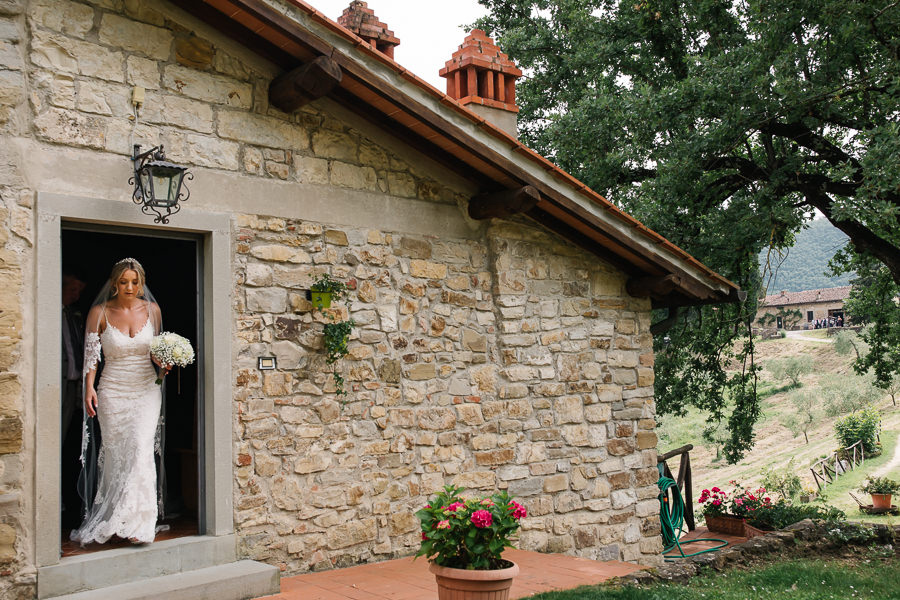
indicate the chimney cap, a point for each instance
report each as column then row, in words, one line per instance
column 480, row 74
column 361, row 20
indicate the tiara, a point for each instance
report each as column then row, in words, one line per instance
column 130, row 261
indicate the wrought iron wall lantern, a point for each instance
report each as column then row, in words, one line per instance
column 158, row 184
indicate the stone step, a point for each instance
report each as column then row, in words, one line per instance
column 240, row 580
column 120, row 565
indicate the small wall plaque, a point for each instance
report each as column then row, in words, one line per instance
column 266, row 363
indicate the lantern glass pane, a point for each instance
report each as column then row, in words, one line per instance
column 146, row 189
column 161, row 183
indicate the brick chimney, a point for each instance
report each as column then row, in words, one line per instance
column 361, row 20
column 483, row 78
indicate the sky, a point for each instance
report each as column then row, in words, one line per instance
column 430, row 31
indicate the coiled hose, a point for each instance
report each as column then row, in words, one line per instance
column 671, row 518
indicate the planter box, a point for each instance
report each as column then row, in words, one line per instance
column 751, row 532
column 725, row 524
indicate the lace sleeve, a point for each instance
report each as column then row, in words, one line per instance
column 91, row 351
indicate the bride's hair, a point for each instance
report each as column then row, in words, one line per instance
column 127, row 264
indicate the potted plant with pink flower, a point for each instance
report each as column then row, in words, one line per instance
column 464, row 538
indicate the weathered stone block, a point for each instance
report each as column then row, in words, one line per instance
column 646, row 439
column 495, row 457
column 422, row 371
column 556, row 483
column 427, row 269
column 620, row 446
column 267, row 300
column 261, row 130
column 149, row 40
column 331, row 144
column 351, row 534
column 64, row 17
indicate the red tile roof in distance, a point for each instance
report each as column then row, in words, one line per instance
column 783, row 298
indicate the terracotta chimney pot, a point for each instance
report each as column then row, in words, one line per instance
column 483, row 78
column 361, row 20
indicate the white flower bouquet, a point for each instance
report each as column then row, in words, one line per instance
column 171, row 349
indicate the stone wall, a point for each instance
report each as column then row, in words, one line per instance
column 16, row 239
column 505, row 359
column 516, row 362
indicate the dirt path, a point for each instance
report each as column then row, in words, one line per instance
column 891, row 468
column 798, row 335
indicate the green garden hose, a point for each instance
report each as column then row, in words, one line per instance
column 671, row 518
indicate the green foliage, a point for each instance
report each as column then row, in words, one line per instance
column 789, row 318
column 336, row 336
column 881, row 485
column 862, row 425
column 468, row 533
column 848, row 341
column 858, row 534
column 873, row 302
column 791, row 368
column 806, row 579
column 807, row 412
column 324, row 283
column 843, row 394
column 804, row 266
column 784, row 480
column 782, row 514
column 723, row 126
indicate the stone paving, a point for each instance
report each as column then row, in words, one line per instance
column 406, row 579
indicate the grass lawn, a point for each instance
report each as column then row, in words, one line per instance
column 837, row 493
column 812, row 579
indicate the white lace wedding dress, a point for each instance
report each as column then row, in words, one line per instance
column 128, row 407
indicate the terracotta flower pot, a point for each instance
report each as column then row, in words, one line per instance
column 881, row 500
column 464, row 584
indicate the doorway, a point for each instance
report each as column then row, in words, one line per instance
column 172, row 263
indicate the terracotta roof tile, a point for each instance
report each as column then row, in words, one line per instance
column 807, row 296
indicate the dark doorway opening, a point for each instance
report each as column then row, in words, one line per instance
column 173, row 274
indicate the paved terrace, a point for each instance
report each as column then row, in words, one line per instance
column 405, row 579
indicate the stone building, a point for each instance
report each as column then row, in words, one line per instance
column 502, row 308
column 799, row 310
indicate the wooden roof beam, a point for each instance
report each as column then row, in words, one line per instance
column 503, row 204
column 308, row 82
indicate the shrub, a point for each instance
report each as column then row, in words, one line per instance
column 847, row 393
column 782, row 514
column 862, row 425
column 784, row 480
column 792, row 367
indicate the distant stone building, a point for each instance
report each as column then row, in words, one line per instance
column 502, row 308
column 798, row 310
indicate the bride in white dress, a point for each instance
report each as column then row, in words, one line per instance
column 127, row 404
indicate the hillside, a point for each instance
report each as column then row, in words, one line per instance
column 807, row 261
column 775, row 444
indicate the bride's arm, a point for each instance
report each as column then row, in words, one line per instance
column 91, row 358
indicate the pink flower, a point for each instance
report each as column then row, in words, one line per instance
column 443, row 525
column 424, row 537
column 519, row 511
column 717, row 502
column 715, row 489
column 456, row 506
column 487, row 502
column 481, row 519
column 739, row 502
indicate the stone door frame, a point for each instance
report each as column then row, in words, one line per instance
column 215, row 231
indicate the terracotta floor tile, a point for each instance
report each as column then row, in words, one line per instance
column 405, row 579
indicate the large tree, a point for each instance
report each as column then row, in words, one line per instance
column 723, row 125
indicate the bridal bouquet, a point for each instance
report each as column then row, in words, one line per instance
column 171, row 349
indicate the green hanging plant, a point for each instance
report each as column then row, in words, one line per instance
column 336, row 337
